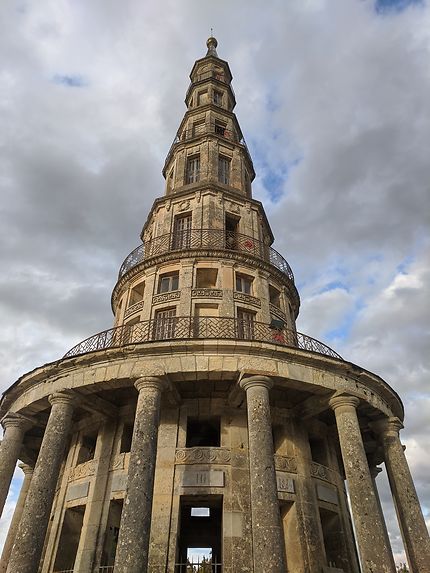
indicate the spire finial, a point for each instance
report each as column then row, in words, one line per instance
column 212, row 44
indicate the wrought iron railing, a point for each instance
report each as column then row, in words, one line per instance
column 205, row 239
column 198, row 567
column 207, row 327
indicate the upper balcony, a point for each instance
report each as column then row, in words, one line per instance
column 217, row 239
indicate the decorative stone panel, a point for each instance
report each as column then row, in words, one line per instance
column 276, row 311
column 321, row 472
column 203, row 456
column 284, row 483
column 326, row 493
column 285, row 463
column 206, row 293
column 118, row 463
column 203, row 478
column 166, row 297
column 133, row 308
column 82, row 470
column 77, row 491
column 247, row 299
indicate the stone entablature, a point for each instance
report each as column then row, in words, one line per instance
column 206, row 293
column 166, row 297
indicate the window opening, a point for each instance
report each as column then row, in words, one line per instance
column 126, row 438
column 164, row 324
column 318, row 451
column 333, row 538
column 202, row 97
column 203, row 431
column 198, row 128
column 182, row 232
column 231, row 228
column 206, row 278
column 193, row 169
column 200, row 536
column 168, row 282
column 87, row 447
column 224, row 170
column 220, row 128
column 244, row 283
column 111, row 533
column 217, row 97
column 245, row 324
column 69, row 538
column 274, row 296
column 136, row 294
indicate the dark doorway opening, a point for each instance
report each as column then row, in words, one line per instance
column 111, row 534
column 204, row 431
column 200, row 535
column 69, row 538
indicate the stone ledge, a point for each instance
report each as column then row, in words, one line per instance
column 204, row 455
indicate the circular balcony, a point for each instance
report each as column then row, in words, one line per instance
column 217, row 239
column 183, row 328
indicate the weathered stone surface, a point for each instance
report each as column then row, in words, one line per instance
column 28, row 545
column 376, row 557
column 266, row 526
column 133, row 542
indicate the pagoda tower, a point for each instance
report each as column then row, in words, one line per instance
column 203, row 421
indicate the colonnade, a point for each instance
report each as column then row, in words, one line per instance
column 24, row 545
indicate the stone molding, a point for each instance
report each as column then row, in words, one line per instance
column 150, row 383
column 250, row 381
column 204, row 455
column 65, row 397
column 14, row 420
column 166, row 297
column 285, row 463
column 344, row 401
column 247, row 299
column 133, row 308
column 388, row 427
column 82, row 470
column 206, row 293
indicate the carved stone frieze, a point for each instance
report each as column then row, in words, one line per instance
column 247, row 299
column 82, row 470
column 202, row 456
column 321, row 472
column 133, row 308
column 276, row 311
column 285, row 463
column 118, row 463
column 166, row 297
column 206, row 293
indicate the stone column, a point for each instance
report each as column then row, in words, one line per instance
column 10, row 539
column 376, row 557
column 27, row 550
column 133, row 542
column 411, row 520
column 15, row 427
column 374, row 472
column 268, row 541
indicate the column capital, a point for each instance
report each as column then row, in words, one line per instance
column 343, row 401
column 256, row 381
column 14, row 420
column 62, row 397
column 387, row 427
column 28, row 470
column 150, row 382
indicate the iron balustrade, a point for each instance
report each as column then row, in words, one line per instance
column 207, row 327
column 198, row 567
column 205, row 239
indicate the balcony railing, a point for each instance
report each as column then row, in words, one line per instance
column 206, row 239
column 208, row 327
column 198, row 567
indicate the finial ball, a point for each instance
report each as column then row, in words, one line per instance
column 212, row 42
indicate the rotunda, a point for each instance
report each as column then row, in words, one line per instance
column 203, row 421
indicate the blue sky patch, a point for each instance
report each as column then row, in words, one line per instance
column 70, row 81
column 383, row 6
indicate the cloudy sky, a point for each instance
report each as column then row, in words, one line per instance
column 333, row 98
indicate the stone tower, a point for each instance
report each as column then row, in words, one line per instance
column 203, row 419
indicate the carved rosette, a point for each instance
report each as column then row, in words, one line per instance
column 202, row 456
column 285, row 463
column 321, row 472
column 86, row 469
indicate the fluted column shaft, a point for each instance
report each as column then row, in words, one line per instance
column 411, row 520
column 11, row 534
column 268, row 541
column 376, row 556
column 134, row 533
column 14, row 429
column 27, row 550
